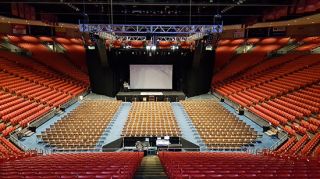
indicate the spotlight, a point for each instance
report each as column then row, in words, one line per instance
column 153, row 47
column 148, row 47
column 174, row 47
column 209, row 48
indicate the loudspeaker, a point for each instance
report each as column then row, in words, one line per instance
column 199, row 76
column 102, row 53
column 32, row 129
column 20, row 135
column 265, row 128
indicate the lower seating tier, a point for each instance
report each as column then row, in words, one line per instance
column 109, row 165
column 229, row 165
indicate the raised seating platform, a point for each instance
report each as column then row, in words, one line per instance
column 239, row 165
column 172, row 96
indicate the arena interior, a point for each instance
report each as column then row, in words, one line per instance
column 179, row 89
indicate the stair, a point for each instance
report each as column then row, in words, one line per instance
column 188, row 130
column 150, row 168
column 114, row 128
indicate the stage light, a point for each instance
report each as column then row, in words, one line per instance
column 148, row 47
column 174, row 47
column 153, row 47
column 91, row 47
column 209, row 48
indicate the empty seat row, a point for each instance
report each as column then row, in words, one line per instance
column 86, row 123
column 213, row 122
column 151, row 119
column 235, row 165
column 78, row 165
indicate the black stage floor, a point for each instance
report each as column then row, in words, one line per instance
column 171, row 96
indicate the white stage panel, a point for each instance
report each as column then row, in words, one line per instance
column 151, row 76
column 151, row 93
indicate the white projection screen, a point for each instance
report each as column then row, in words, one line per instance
column 151, row 76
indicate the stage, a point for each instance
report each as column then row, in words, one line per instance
column 172, row 96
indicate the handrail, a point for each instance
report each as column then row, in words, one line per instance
column 19, row 144
column 279, row 142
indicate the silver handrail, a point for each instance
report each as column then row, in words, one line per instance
column 279, row 142
column 16, row 142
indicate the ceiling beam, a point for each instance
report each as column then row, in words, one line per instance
column 154, row 15
column 152, row 4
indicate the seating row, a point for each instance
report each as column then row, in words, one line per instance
column 151, row 119
column 75, row 129
column 42, row 54
column 77, row 165
column 213, row 122
column 230, row 165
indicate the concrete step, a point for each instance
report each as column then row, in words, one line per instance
column 151, row 173
column 150, row 177
column 150, row 168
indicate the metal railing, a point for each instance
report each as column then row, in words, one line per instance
column 279, row 142
column 17, row 142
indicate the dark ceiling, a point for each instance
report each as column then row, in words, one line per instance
column 154, row 11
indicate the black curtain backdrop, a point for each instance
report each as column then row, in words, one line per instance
column 187, row 77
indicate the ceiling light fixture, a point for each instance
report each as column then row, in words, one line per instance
column 239, row 2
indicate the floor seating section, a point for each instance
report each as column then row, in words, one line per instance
column 217, row 127
column 28, row 91
column 241, row 165
column 46, row 56
column 151, row 119
column 75, row 51
column 121, row 165
column 82, row 127
column 256, row 55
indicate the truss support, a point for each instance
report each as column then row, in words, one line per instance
column 150, row 29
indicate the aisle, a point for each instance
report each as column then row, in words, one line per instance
column 150, row 168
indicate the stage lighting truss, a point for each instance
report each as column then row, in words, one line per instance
column 150, row 29
column 172, row 38
column 171, row 33
column 131, row 38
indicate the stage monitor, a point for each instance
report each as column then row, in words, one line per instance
column 151, row 76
